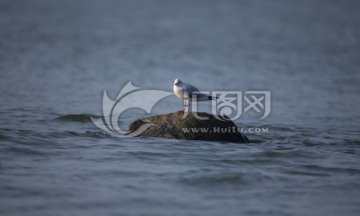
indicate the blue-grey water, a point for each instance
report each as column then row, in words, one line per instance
column 57, row 57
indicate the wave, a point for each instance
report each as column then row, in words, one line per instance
column 77, row 117
column 94, row 134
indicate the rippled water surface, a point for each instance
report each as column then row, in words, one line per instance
column 57, row 57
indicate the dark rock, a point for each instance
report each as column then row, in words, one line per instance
column 187, row 126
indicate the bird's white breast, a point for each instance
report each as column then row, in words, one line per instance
column 179, row 92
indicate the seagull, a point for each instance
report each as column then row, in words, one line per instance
column 187, row 92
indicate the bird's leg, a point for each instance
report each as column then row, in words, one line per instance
column 184, row 110
column 186, row 107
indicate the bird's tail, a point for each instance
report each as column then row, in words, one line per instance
column 212, row 98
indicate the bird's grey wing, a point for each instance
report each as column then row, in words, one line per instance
column 190, row 89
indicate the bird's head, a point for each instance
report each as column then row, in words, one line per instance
column 177, row 82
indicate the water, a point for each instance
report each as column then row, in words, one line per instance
column 56, row 58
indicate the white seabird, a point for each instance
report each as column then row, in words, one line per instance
column 189, row 93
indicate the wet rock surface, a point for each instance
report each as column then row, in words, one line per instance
column 188, row 126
